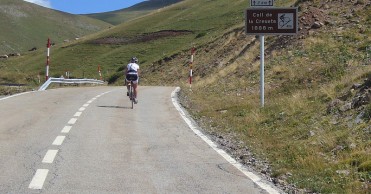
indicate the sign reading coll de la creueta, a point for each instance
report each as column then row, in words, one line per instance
column 272, row 21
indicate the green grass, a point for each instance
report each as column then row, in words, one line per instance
column 127, row 14
column 116, row 18
column 7, row 90
column 294, row 131
column 282, row 132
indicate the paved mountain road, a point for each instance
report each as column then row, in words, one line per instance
column 88, row 140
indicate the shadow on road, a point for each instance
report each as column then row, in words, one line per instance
column 123, row 107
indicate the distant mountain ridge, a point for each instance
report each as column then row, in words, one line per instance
column 122, row 15
column 25, row 25
column 152, row 4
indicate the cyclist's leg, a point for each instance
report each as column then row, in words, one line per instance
column 127, row 86
column 135, row 85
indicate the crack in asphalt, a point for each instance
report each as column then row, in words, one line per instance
column 220, row 167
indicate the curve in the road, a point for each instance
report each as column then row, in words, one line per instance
column 256, row 179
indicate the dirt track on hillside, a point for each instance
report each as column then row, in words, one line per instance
column 142, row 38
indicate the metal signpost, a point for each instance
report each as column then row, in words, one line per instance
column 269, row 21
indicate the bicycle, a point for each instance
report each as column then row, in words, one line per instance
column 131, row 94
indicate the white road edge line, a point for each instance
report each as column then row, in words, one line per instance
column 255, row 178
column 66, row 129
column 39, row 179
column 58, row 140
column 15, row 95
column 49, row 156
column 72, row 121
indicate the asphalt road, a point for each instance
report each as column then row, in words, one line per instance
column 89, row 140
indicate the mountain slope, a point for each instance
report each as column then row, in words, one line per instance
column 140, row 9
column 157, row 35
column 25, row 25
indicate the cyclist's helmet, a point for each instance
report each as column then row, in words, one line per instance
column 134, row 60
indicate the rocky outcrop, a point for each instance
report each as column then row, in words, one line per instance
column 14, row 55
column 357, row 99
column 363, row 97
column 4, row 56
column 33, row 49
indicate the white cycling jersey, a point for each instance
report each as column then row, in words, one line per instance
column 132, row 73
column 132, row 67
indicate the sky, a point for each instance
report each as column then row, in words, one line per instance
column 85, row 6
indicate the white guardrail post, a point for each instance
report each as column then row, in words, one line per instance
column 69, row 81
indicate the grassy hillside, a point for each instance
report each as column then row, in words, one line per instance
column 140, row 9
column 314, row 130
column 313, row 134
column 25, row 25
column 140, row 38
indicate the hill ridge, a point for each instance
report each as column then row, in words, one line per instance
column 122, row 15
column 27, row 25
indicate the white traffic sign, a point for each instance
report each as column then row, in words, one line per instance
column 261, row 3
column 286, row 21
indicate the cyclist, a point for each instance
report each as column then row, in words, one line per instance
column 132, row 74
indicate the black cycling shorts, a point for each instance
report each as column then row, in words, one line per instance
column 132, row 77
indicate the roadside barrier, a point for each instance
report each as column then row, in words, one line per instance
column 69, row 81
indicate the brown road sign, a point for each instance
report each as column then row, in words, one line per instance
column 275, row 21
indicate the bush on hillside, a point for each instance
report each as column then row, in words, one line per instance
column 367, row 114
column 113, row 78
column 202, row 34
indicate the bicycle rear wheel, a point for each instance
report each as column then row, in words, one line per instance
column 132, row 96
